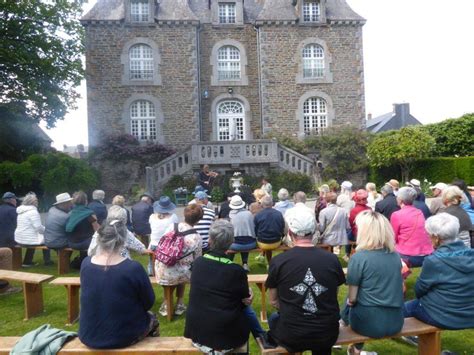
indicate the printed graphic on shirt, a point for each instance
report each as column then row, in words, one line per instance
column 310, row 289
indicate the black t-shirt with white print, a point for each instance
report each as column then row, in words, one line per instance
column 306, row 280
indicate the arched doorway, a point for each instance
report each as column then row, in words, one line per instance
column 230, row 121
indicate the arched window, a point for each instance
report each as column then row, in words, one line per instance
column 141, row 62
column 228, row 63
column 230, row 121
column 315, row 115
column 313, row 61
column 143, row 120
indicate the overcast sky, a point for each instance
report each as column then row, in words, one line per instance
column 416, row 51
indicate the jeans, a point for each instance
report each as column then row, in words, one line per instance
column 414, row 308
column 320, row 347
column 242, row 248
column 253, row 322
column 30, row 253
column 413, row 260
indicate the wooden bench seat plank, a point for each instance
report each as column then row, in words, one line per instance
column 160, row 345
column 429, row 337
column 64, row 257
column 74, row 280
column 28, row 277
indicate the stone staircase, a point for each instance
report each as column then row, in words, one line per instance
column 252, row 156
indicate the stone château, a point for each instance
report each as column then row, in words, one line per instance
column 184, row 71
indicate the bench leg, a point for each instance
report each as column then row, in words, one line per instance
column 33, row 295
column 429, row 343
column 64, row 259
column 17, row 258
column 169, row 301
column 72, row 303
column 263, row 312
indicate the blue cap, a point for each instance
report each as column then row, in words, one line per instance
column 8, row 195
column 201, row 195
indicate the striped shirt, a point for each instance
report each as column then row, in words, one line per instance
column 202, row 227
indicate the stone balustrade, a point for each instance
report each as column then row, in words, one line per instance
column 235, row 152
column 231, row 154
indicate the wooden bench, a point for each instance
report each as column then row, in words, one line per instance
column 64, row 257
column 32, row 289
column 429, row 338
column 73, row 285
column 159, row 345
column 282, row 247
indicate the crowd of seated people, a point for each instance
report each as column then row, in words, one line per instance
column 391, row 230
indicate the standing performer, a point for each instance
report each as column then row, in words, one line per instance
column 206, row 178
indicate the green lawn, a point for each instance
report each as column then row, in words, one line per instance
column 12, row 313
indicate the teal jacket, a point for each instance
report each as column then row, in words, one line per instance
column 445, row 286
column 42, row 341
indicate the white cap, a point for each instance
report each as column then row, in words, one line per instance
column 414, row 183
column 346, row 185
column 301, row 223
column 440, row 186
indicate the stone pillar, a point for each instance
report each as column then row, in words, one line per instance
column 150, row 185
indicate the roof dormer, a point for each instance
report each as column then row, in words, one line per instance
column 227, row 12
column 312, row 12
column 140, row 12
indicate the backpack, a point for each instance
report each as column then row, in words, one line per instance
column 170, row 247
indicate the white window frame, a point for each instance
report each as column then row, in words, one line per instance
column 230, row 124
column 227, row 13
column 315, row 115
column 143, row 125
column 141, row 66
column 313, row 61
column 228, row 63
column 139, row 11
column 311, row 11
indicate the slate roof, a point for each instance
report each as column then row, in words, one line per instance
column 175, row 10
column 278, row 10
column 114, row 10
column 392, row 120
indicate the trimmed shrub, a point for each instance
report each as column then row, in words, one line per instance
column 433, row 169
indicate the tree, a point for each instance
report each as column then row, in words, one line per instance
column 343, row 150
column 401, row 148
column 41, row 45
column 454, row 137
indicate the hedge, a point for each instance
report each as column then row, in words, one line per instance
column 433, row 169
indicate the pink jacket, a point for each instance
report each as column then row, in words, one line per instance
column 410, row 235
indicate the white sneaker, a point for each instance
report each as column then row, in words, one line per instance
column 246, row 267
column 163, row 310
column 180, row 309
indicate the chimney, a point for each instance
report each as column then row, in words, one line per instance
column 369, row 116
column 402, row 111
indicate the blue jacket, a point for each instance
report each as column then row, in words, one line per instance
column 269, row 225
column 100, row 210
column 445, row 286
column 141, row 213
column 423, row 208
column 7, row 225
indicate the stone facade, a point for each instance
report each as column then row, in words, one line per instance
column 184, row 36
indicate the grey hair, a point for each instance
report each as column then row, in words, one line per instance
column 407, row 195
column 29, row 200
column 283, row 194
column 112, row 235
column 299, row 196
column 117, row 212
column 387, row 189
column 444, row 226
column 266, row 201
column 221, row 235
column 324, row 188
column 98, row 195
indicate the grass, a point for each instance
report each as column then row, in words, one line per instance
column 55, row 304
